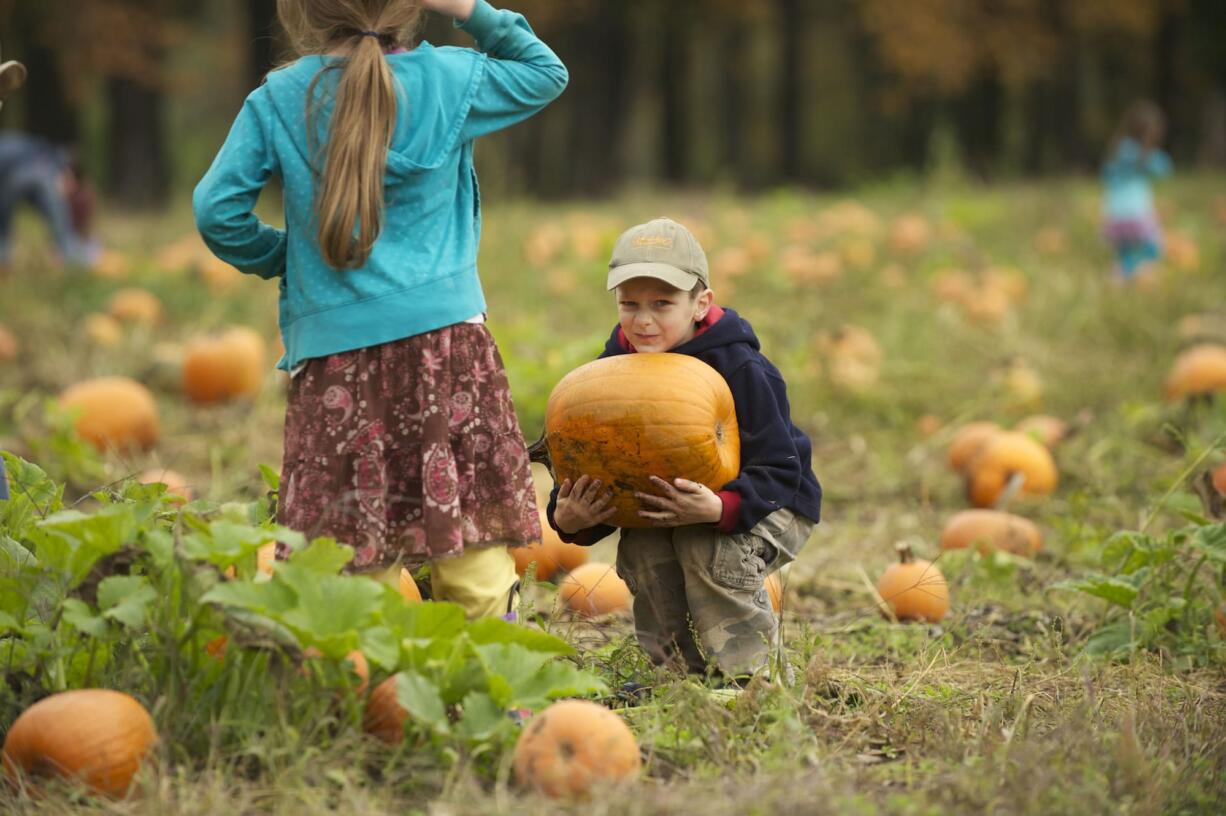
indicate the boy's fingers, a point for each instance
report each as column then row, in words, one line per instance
column 602, row 502
column 606, row 515
column 688, row 486
column 654, row 500
column 564, row 489
column 663, row 485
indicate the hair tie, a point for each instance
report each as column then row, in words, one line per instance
column 374, row 34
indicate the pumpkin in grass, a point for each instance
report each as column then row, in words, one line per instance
column 135, row 306
column 95, row 736
column 1197, row 371
column 102, row 330
column 535, row 553
column 384, row 716
column 229, row 366
column 177, row 487
column 595, row 589
column 573, row 746
column 992, row 530
column 113, row 412
column 624, row 419
column 913, row 589
column 774, row 589
column 1010, row 454
column 408, row 587
column 968, row 441
column 8, row 345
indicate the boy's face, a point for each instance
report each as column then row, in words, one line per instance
column 656, row 316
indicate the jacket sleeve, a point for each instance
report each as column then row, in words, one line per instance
column 225, row 198
column 771, row 469
column 521, row 75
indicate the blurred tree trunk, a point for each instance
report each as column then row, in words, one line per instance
column 138, row 167
column 732, row 111
column 674, row 86
column 48, row 111
column 790, row 32
column 262, row 24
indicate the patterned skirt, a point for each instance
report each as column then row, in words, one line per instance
column 408, row 451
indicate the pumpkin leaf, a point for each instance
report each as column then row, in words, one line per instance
column 1116, row 590
column 482, row 717
column 323, row 555
column 224, row 542
column 519, row 678
column 271, row 477
column 421, row 699
column 71, row 542
column 77, row 614
column 1211, row 542
column 496, row 630
column 126, row 598
column 32, row 495
column 269, row 598
column 381, row 646
column 422, row 621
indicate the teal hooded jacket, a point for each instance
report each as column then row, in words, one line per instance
column 422, row 272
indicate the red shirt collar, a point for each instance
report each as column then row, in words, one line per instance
column 712, row 317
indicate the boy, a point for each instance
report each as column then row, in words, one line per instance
column 701, row 569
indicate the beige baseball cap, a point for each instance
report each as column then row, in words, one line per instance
column 661, row 249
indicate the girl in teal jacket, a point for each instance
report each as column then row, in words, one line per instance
column 400, row 437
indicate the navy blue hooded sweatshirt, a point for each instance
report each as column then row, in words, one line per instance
column 775, row 454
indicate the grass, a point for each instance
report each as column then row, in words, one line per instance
column 994, row 710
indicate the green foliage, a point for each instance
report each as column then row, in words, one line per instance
column 129, row 594
column 1163, row 593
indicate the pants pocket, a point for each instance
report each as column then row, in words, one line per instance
column 741, row 561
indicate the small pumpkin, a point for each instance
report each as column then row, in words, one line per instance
column 111, row 265
column 986, row 305
column 913, row 589
column 1198, row 370
column 910, row 234
column 229, row 366
column 624, row 419
column 992, row 530
column 537, row 553
column 114, row 412
column 595, row 589
column 384, row 716
column 968, row 441
column 177, row 486
column 572, row 746
column 8, row 345
column 774, row 589
column 135, row 305
column 1218, row 477
column 1007, row 454
column 95, row 736
column 102, row 330
column 408, row 587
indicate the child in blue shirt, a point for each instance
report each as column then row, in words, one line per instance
column 400, row 435
column 1129, row 218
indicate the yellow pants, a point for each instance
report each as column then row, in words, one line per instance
column 480, row 580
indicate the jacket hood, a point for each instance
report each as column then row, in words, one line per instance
column 433, row 87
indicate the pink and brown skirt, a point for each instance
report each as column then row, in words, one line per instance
column 408, row 451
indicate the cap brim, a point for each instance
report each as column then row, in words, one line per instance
column 12, row 77
column 671, row 275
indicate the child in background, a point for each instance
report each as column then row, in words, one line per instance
column 400, row 435
column 1130, row 220
column 702, row 569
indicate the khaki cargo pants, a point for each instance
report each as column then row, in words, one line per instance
column 696, row 580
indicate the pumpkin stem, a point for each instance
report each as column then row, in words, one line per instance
column 905, row 556
column 1017, row 480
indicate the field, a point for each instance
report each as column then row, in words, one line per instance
column 1085, row 680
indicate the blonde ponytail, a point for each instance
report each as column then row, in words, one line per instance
column 349, row 178
column 349, row 199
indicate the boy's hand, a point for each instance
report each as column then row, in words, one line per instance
column 581, row 505
column 683, row 502
column 459, row 9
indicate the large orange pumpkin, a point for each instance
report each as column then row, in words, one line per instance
column 992, row 530
column 913, row 589
column 96, row 736
column 226, row 367
column 1007, row 454
column 114, row 411
column 595, row 589
column 574, row 745
column 626, row 418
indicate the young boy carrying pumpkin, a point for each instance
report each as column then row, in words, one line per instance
column 701, row 569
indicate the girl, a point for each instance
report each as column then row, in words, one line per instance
column 400, row 435
column 1130, row 221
